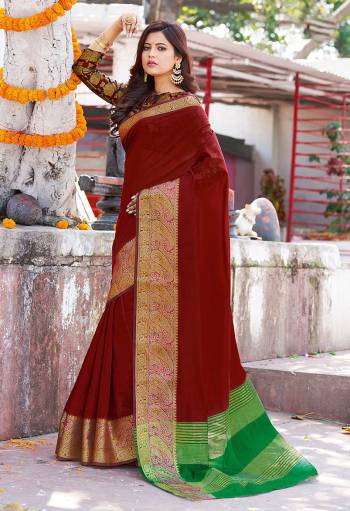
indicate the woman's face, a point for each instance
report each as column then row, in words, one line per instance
column 159, row 50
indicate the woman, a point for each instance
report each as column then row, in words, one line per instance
column 162, row 384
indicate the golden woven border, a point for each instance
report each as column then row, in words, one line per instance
column 123, row 272
column 96, row 441
column 168, row 106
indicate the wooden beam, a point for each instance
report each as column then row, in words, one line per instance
column 220, row 7
column 215, row 5
column 314, row 42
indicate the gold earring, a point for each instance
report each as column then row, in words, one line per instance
column 145, row 77
column 176, row 76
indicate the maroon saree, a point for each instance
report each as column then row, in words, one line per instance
column 162, row 381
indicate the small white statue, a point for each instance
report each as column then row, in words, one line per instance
column 246, row 219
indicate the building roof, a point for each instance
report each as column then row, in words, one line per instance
column 242, row 74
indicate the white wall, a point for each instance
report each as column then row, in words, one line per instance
column 283, row 143
column 269, row 130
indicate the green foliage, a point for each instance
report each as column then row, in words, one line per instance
column 267, row 18
column 314, row 158
column 332, row 131
column 335, row 166
column 342, row 42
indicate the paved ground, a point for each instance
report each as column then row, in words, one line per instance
column 32, row 478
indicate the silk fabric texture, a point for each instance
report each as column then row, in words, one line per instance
column 162, row 382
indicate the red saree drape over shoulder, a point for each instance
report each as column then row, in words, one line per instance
column 162, row 381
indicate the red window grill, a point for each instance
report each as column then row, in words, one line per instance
column 319, row 192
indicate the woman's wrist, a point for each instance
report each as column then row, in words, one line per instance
column 100, row 44
column 111, row 33
column 106, row 39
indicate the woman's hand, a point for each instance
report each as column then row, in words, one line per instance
column 131, row 207
column 124, row 24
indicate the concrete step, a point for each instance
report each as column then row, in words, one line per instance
column 317, row 385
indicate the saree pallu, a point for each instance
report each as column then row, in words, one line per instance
column 162, row 383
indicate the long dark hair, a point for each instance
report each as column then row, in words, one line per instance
column 137, row 90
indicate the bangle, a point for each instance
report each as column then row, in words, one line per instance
column 100, row 44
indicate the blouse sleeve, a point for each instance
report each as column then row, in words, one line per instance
column 104, row 86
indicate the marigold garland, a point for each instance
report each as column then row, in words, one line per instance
column 76, row 45
column 15, row 137
column 39, row 20
column 23, row 95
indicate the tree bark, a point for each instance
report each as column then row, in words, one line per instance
column 161, row 9
column 39, row 59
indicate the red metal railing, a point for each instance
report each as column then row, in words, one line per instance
column 319, row 193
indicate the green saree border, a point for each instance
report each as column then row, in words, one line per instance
column 239, row 452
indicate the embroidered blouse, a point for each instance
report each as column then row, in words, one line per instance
column 109, row 89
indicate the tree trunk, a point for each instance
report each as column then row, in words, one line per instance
column 39, row 59
column 161, row 9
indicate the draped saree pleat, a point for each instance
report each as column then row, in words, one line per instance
column 162, row 381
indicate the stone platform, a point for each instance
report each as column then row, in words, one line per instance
column 53, row 286
column 287, row 298
column 317, row 385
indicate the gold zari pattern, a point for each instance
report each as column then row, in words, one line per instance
column 162, row 108
column 123, row 272
column 156, row 338
column 96, row 441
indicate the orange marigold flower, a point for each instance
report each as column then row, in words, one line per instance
column 58, row 9
column 28, row 25
column 9, row 223
column 21, row 139
column 62, row 224
column 67, row 4
column 41, row 95
column 83, row 226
